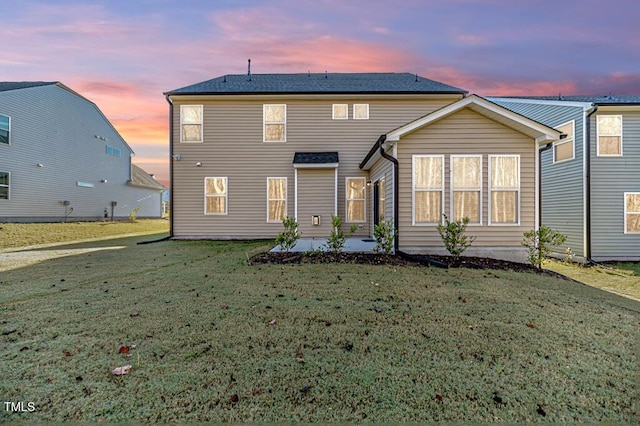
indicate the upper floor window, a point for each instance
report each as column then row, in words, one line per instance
column 113, row 151
column 275, row 123
column 5, row 129
column 215, row 195
column 428, row 188
column 564, row 149
column 276, row 199
column 631, row 212
column 340, row 111
column 191, row 123
column 360, row 111
column 355, row 197
column 609, row 135
column 504, row 189
column 4, row 185
column 466, row 187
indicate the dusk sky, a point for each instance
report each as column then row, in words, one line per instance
column 123, row 54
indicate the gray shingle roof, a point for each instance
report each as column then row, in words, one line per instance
column 143, row 179
column 596, row 99
column 318, row 83
column 315, row 158
column 5, row 86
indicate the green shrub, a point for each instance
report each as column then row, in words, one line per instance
column 453, row 235
column 540, row 242
column 337, row 239
column 384, row 234
column 288, row 238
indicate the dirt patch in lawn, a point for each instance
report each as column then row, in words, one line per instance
column 278, row 258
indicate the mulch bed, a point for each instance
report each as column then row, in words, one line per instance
column 279, row 258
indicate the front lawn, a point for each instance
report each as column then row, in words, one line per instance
column 210, row 338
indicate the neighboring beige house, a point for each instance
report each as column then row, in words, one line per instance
column 248, row 150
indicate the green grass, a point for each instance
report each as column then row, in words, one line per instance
column 621, row 278
column 379, row 343
column 28, row 234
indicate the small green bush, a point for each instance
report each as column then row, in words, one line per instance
column 453, row 235
column 289, row 236
column 539, row 243
column 133, row 216
column 337, row 239
column 384, row 234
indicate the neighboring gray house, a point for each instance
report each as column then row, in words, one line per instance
column 590, row 179
column 61, row 159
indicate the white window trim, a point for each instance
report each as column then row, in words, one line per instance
column 354, row 112
column 264, row 123
column 333, row 112
column 201, row 124
column 490, row 190
column 8, row 188
column 565, row 141
column 226, row 196
column 285, row 199
column 625, row 213
column 9, row 141
column 413, row 191
column 598, row 136
column 347, row 199
column 452, row 190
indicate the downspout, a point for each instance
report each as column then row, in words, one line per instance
column 170, row 166
column 396, row 197
column 587, row 201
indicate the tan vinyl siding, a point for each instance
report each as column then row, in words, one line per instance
column 467, row 133
column 233, row 147
column 316, row 196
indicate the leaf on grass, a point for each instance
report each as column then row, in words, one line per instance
column 300, row 360
column 438, row 398
column 67, row 353
column 124, row 350
column 272, row 322
column 119, row 371
column 134, row 314
column 530, row 325
column 234, row 398
column 541, row 411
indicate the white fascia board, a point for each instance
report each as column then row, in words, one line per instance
column 315, row 166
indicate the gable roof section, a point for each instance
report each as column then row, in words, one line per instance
column 539, row 132
column 327, row 83
column 6, row 86
column 142, row 179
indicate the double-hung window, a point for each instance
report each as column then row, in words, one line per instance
column 191, row 123
column 564, row 149
column 360, row 111
column 466, row 187
column 5, row 129
column 4, row 185
column 355, row 197
column 274, row 123
column 631, row 212
column 215, row 195
column 504, row 189
column 340, row 112
column 276, row 199
column 609, row 135
column 428, row 189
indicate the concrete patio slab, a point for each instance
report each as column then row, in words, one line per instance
column 352, row 245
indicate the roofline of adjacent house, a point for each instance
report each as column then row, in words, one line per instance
column 584, row 105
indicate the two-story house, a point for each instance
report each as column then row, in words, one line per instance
column 61, row 159
column 591, row 179
column 248, row 150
